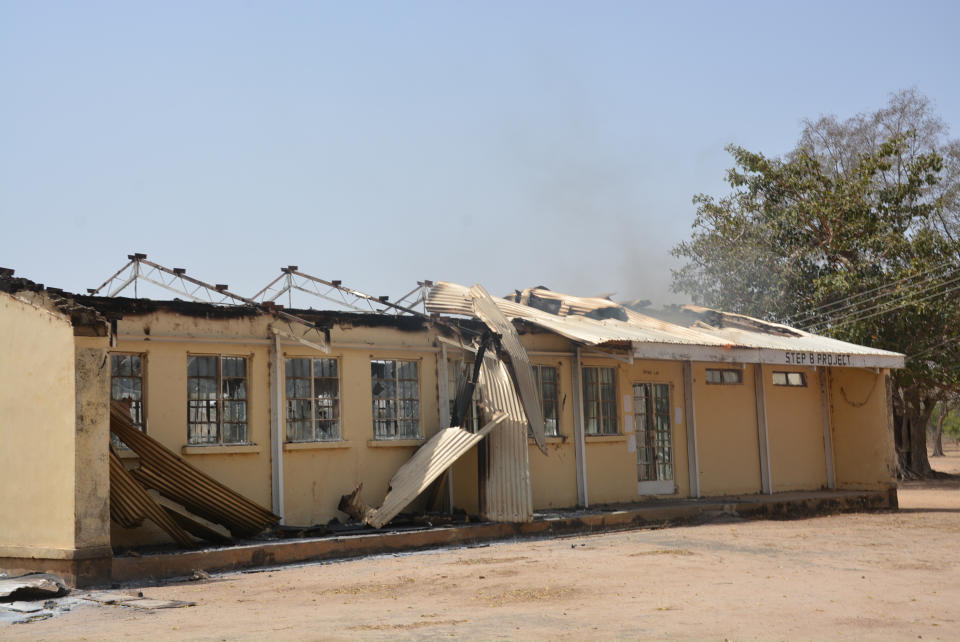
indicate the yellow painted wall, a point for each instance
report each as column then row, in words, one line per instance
column 612, row 461
column 553, row 476
column 862, row 443
column 314, row 478
column 795, row 431
column 726, row 434
column 37, row 417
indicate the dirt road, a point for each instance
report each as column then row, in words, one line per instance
column 856, row 577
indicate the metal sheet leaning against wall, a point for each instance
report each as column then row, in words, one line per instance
column 505, row 493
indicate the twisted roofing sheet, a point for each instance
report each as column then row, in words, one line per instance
column 450, row 298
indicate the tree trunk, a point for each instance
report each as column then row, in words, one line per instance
column 938, row 431
column 910, row 436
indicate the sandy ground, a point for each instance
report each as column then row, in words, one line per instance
column 883, row 576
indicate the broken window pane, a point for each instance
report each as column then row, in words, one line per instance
column 126, row 384
column 651, row 419
column 313, row 399
column 216, row 400
column 396, row 399
column 546, row 378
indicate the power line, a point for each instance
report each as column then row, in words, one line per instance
column 933, row 347
column 854, row 300
column 876, row 310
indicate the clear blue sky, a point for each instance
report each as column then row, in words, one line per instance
column 507, row 143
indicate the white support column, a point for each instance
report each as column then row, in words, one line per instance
column 443, row 403
column 579, row 442
column 276, row 427
column 693, row 461
column 824, row 374
column 766, row 477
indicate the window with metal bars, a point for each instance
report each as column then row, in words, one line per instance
column 600, row 401
column 651, row 421
column 313, row 399
column 216, row 400
column 548, row 383
column 396, row 399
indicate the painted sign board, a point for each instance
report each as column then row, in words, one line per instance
column 676, row 352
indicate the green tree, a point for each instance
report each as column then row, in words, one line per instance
column 849, row 236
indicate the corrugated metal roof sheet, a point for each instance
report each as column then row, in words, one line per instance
column 163, row 470
column 426, row 465
column 486, row 309
column 505, row 492
column 804, row 342
column 450, row 298
column 640, row 329
column 130, row 504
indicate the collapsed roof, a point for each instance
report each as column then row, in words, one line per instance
column 726, row 337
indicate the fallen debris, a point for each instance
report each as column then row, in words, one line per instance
column 134, row 601
column 32, row 586
column 22, row 607
column 162, row 470
column 104, row 597
column 427, row 464
column 199, row 575
column 130, row 504
column 148, row 604
column 487, row 311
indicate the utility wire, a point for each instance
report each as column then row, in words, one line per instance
column 877, row 311
column 854, row 300
column 876, row 306
column 933, row 347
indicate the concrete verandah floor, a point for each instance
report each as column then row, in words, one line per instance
column 653, row 513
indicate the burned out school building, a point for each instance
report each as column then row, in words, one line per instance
column 300, row 417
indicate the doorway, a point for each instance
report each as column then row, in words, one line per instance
column 654, row 438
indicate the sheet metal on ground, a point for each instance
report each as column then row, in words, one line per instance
column 427, row 464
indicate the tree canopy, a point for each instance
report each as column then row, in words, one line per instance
column 851, row 234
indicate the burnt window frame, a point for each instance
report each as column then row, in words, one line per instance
column 138, row 407
column 538, row 379
column 220, row 401
column 381, row 422
column 317, row 434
